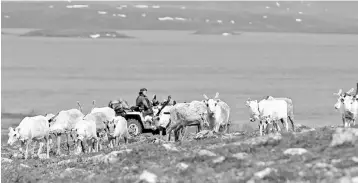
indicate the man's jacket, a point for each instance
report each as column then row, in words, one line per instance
column 143, row 102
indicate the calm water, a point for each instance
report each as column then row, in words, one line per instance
column 50, row 74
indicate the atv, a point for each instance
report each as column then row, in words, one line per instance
column 136, row 123
column 135, row 120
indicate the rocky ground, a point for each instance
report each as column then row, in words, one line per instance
column 327, row 154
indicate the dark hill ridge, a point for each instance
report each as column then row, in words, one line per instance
column 314, row 17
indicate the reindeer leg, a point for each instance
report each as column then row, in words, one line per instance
column 286, row 123
column 278, row 127
column 112, row 142
column 40, row 148
column 33, row 148
column 216, row 128
column 161, row 133
column 27, row 148
column 176, row 134
column 292, row 123
column 344, row 121
column 267, row 128
column 200, row 127
column 83, row 146
column 97, row 140
column 89, row 143
column 58, row 144
column 92, row 142
column 125, row 137
column 169, row 133
column 116, row 141
column 68, row 143
column 283, row 124
column 99, row 144
column 260, row 128
column 48, row 147
column 78, row 146
column 185, row 129
column 227, row 128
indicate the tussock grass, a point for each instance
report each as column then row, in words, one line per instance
column 320, row 163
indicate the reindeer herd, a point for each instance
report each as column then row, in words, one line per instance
column 102, row 124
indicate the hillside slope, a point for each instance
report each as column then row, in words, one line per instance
column 326, row 154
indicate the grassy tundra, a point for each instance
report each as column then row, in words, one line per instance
column 306, row 156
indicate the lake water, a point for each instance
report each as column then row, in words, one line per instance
column 50, row 74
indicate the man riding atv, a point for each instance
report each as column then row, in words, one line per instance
column 145, row 106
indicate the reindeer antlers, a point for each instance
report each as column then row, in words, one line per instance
column 93, row 104
column 79, row 106
column 216, row 95
column 350, row 91
column 339, row 92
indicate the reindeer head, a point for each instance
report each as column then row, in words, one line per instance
column 14, row 135
column 342, row 97
column 253, row 106
column 211, row 103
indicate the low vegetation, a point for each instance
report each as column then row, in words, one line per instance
column 76, row 33
column 327, row 154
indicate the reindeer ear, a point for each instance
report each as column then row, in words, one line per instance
column 350, row 91
column 206, row 97
column 10, row 129
column 216, row 95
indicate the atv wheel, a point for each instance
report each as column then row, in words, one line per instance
column 134, row 127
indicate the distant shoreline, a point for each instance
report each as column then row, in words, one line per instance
column 19, row 31
column 76, row 33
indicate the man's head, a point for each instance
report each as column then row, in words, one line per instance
column 143, row 91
